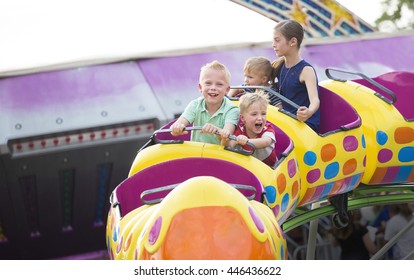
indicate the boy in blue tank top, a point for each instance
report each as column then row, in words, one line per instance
column 296, row 78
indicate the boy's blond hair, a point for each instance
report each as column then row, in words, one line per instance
column 215, row 65
column 250, row 98
column 261, row 66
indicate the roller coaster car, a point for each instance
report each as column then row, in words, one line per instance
column 166, row 165
column 385, row 106
column 331, row 162
column 179, row 193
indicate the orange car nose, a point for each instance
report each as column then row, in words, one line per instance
column 211, row 232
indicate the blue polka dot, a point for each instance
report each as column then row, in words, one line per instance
column 285, row 202
column 363, row 141
column 270, row 194
column 309, row 158
column 115, row 233
column 382, row 137
column 406, row 154
column 331, row 170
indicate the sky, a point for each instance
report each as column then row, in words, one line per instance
column 368, row 10
column 47, row 32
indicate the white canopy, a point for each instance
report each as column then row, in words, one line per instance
column 48, row 32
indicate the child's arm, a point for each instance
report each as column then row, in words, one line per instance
column 259, row 143
column 225, row 132
column 178, row 127
column 308, row 76
column 221, row 133
column 234, row 91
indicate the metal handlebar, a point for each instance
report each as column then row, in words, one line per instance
column 171, row 187
column 366, row 78
column 189, row 128
column 270, row 90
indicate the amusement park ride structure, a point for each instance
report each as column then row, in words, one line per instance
column 364, row 150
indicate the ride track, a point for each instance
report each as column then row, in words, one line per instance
column 204, row 201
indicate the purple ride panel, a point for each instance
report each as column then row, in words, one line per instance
column 80, row 97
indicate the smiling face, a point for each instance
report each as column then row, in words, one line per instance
column 254, row 118
column 214, row 86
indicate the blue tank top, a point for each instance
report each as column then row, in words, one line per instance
column 289, row 86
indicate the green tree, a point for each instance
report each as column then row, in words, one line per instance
column 396, row 15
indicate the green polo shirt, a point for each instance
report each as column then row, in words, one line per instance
column 196, row 113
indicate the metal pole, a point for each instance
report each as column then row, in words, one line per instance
column 410, row 256
column 313, row 230
column 392, row 241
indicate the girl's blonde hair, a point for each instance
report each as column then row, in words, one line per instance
column 250, row 98
column 215, row 65
column 262, row 66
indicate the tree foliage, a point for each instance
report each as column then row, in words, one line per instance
column 396, row 14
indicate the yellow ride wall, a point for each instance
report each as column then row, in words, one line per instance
column 282, row 185
column 328, row 165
